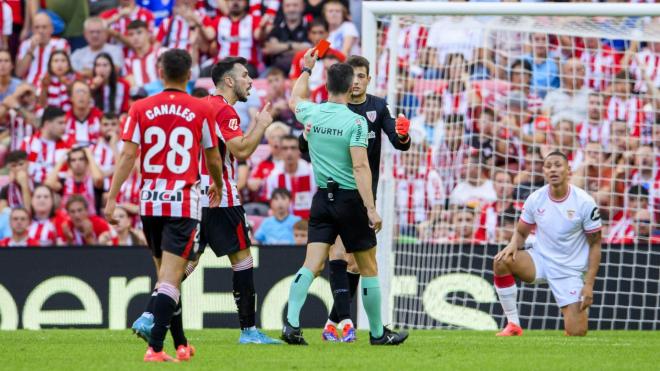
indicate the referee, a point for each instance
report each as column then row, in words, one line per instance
column 344, row 204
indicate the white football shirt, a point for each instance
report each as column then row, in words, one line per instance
column 561, row 229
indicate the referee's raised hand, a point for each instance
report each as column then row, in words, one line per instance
column 375, row 221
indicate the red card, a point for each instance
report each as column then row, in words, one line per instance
column 322, row 48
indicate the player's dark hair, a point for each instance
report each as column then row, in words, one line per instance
column 199, row 93
column 340, row 78
column 76, row 198
column 280, row 192
column 319, row 22
column 225, row 66
column 176, row 64
column 136, row 25
column 16, row 156
column 51, row 113
column 76, row 150
column 358, row 61
column 556, row 153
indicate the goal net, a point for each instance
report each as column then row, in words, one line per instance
column 488, row 97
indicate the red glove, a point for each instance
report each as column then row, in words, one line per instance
column 402, row 125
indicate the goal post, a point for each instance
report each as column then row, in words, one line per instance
column 439, row 282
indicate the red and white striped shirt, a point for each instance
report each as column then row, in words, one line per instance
column 86, row 131
column 13, row 193
column 121, row 25
column 257, row 7
column 598, row 133
column 171, row 129
column 621, row 229
column 99, row 226
column 19, row 129
column 301, row 185
column 39, row 66
column 27, row 242
column 488, row 222
column 122, row 94
column 44, row 231
column 143, row 69
column 227, row 127
column 44, row 154
column 411, row 40
column 628, row 110
column 84, row 188
column 236, row 38
column 600, row 67
column 455, row 103
column 174, row 32
column 104, row 155
column 57, row 94
column 6, row 19
column 209, row 7
column 650, row 61
column 417, row 194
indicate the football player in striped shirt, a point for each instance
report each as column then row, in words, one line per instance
column 566, row 253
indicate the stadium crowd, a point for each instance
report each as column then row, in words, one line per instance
column 485, row 109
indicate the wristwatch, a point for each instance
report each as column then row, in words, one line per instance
column 305, row 69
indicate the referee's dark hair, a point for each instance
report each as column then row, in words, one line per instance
column 51, row 113
column 176, row 64
column 358, row 61
column 340, row 78
column 556, row 153
column 224, row 67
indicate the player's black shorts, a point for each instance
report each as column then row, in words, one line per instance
column 179, row 236
column 346, row 216
column 224, row 229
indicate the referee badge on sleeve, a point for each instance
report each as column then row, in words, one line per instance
column 595, row 214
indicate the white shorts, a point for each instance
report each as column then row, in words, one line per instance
column 566, row 290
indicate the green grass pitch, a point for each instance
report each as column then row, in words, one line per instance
column 425, row 350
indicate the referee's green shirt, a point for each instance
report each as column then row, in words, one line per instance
column 331, row 130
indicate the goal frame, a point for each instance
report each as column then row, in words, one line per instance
column 371, row 10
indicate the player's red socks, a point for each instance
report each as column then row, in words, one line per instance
column 507, row 290
column 504, row 281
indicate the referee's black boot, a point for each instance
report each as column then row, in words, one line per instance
column 292, row 335
column 389, row 337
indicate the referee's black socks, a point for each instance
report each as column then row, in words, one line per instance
column 244, row 295
column 340, row 285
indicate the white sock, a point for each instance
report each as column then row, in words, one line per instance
column 329, row 322
column 508, row 297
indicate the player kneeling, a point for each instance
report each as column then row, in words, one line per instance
column 566, row 253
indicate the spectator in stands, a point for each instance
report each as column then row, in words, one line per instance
column 278, row 96
column 594, row 128
column 429, row 64
column 408, row 101
column 475, row 189
column 49, row 146
column 449, row 158
column 175, row 32
column 34, row 53
column 257, row 180
column 564, row 138
column 645, row 170
column 8, row 83
column 295, row 175
column 458, row 98
column 623, row 105
column 520, row 76
column 318, row 30
column 6, row 22
column 600, row 62
column 277, row 229
column 643, row 229
column 82, row 60
column 287, row 37
column 19, row 221
column 572, row 98
column 213, row 8
column 18, row 114
column 84, row 120
column 429, row 120
column 110, row 91
column 506, row 224
column 420, row 193
column 636, row 198
column 122, row 234
column 118, row 19
column 343, row 35
column 520, row 125
column 643, row 63
column 489, row 219
column 140, row 65
column 239, row 34
column 106, row 148
column 44, row 219
column 455, row 35
column 531, row 178
column 623, row 143
column 594, row 173
column 55, row 85
column 463, row 226
column 18, row 191
column 84, row 178
column 81, row 228
column 545, row 72
column 300, row 230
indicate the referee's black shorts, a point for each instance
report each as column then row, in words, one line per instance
column 224, row 229
column 346, row 216
column 179, row 236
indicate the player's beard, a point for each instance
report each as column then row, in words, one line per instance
column 241, row 96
